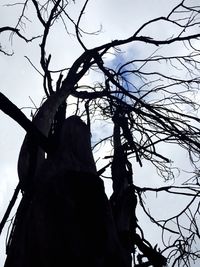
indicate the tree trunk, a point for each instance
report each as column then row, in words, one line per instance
column 64, row 218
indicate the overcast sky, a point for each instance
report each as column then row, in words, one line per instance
column 22, row 84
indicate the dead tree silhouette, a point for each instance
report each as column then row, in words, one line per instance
column 146, row 94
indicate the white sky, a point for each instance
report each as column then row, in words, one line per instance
column 19, row 80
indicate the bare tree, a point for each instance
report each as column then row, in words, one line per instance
column 149, row 103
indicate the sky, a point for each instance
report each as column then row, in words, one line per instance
column 23, row 85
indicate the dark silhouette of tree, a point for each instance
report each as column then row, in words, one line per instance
column 149, row 103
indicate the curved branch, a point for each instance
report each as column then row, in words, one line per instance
column 77, row 25
column 14, row 30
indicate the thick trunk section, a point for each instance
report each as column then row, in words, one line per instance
column 64, row 218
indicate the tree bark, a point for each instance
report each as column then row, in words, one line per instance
column 64, row 217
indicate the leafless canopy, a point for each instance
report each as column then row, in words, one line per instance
column 151, row 99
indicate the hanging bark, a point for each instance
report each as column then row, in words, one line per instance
column 124, row 201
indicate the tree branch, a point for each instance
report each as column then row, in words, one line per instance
column 9, row 208
column 15, row 113
column 14, row 30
